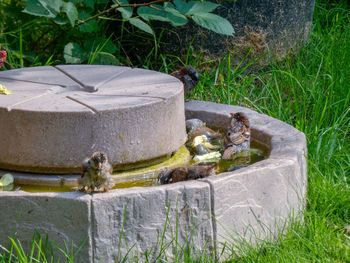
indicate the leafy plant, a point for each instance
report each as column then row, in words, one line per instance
column 89, row 17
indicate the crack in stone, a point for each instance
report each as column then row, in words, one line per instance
column 257, row 219
column 92, row 229
column 111, row 78
column 92, row 109
column 129, row 96
column 9, row 108
column 213, row 219
column 31, row 81
column 86, row 88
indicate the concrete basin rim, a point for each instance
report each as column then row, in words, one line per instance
column 286, row 155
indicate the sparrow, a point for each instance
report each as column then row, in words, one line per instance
column 97, row 174
column 194, row 124
column 201, row 139
column 188, row 76
column 196, row 127
column 237, row 137
column 3, row 55
column 184, row 173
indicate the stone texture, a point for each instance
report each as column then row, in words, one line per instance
column 65, row 217
column 188, row 222
column 251, row 203
column 256, row 202
column 42, row 75
column 57, row 116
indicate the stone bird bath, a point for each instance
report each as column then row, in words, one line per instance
column 56, row 116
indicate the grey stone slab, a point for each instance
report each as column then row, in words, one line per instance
column 43, row 75
column 184, row 209
column 134, row 115
column 160, row 91
column 47, row 104
column 256, row 203
column 65, row 217
column 31, row 140
column 139, row 77
column 24, row 86
column 92, row 75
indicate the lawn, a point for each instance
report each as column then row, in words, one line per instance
column 310, row 91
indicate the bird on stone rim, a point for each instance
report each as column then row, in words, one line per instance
column 188, row 76
column 237, row 137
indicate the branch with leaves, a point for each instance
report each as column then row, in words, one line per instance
column 84, row 15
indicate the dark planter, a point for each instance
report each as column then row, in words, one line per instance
column 276, row 27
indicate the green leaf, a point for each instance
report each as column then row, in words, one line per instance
column 61, row 20
column 148, row 13
column 89, row 3
column 182, row 6
column 73, row 53
column 95, row 44
column 214, row 23
column 90, row 26
column 201, row 7
column 45, row 8
column 141, row 25
column 71, row 11
column 175, row 17
column 125, row 11
column 104, row 58
column 6, row 179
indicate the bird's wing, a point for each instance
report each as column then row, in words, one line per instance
column 228, row 152
column 237, row 138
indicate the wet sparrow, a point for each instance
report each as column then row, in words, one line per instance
column 192, row 172
column 96, row 175
column 237, row 137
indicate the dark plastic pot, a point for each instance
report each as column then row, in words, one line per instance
column 276, row 27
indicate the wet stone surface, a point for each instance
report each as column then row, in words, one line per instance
column 57, row 116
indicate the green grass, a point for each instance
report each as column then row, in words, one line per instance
column 311, row 91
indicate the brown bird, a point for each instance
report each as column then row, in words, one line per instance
column 237, row 137
column 97, row 174
column 188, row 76
column 192, row 172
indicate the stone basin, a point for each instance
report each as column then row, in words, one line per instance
column 57, row 116
column 251, row 203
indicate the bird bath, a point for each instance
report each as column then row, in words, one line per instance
column 253, row 202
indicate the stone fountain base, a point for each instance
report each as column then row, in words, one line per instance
column 252, row 203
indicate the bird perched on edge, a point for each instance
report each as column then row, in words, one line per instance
column 97, row 174
column 192, row 172
column 237, row 136
column 188, row 76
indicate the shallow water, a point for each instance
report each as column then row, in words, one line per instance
column 149, row 178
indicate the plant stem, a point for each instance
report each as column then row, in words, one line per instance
column 150, row 4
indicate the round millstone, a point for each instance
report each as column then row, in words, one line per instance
column 57, row 116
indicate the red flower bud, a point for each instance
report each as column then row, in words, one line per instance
column 3, row 55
